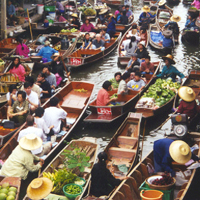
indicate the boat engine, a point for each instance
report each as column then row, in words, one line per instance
column 180, row 125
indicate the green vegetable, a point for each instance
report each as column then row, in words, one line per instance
column 114, row 96
column 73, row 189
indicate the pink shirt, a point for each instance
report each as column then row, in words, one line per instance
column 19, row 71
column 21, row 52
column 58, row 79
column 196, row 3
column 102, row 97
column 62, row 19
column 85, row 28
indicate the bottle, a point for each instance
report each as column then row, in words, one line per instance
column 64, row 43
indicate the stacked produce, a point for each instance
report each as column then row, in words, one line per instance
column 165, row 180
column 90, row 12
column 80, row 90
column 9, row 78
column 7, row 192
column 73, row 189
column 82, row 8
column 69, row 30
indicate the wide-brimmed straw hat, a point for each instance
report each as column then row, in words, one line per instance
column 39, row 188
column 143, row 43
column 175, row 18
column 170, row 58
column 74, row 15
column 146, row 8
column 103, row 11
column 161, row 2
column 180, row 151
column 30, row 142
column 186, row 93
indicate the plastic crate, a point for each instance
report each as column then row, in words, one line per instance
column 49, row 8
column 168, row 194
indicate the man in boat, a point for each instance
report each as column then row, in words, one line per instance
column 111, row 26
column 45, row 148
column 123, row 88
column 126, row 41
column 11, row 96
column 190, row 22
column 129, row 13
column 103, row 98
column 166, row 151
column 169, row 70
column 102, row 16
column 123, row 18
column 11, row 13
column 105, row 36
column 133, row 62
column 162, row 4
column 137, row 84
column 98, row 43
column 75, row 21
column 21, row 160
column 59, row 7
column 115, row 81
column 147, row 67
column 167, row 41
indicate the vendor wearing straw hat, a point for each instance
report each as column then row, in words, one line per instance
column 102, row 16
column 75, row 22
column 166, row 151
column 188, row 104
column 169, row 70
column 21, row 160
column 162, row 4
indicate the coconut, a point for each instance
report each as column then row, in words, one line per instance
column 4, row 190
column 5, row 185
column 3, row 196
column 10, row 197
column 14, row 189
column 12, row 193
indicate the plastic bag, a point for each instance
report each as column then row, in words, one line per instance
column 150, row 169
column 194, row 166
column 180, row 178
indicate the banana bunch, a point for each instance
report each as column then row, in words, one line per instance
column 51, row 176
column 9, row 77
column 57, row 47
column 80, row 90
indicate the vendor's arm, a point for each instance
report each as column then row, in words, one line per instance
column 111, row 179
column 178, row 73
column 30, row 165
column 193, row 3
column 161, row 75
column 180, row 108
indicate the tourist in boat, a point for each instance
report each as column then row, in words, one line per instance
column 40, row 123
column 102, row 16
column 87, row 42
column 45, row 86
column 11, row 96
column 117, row 14
column 111, row 26
column 19, row 109
column 196, row 4
column 31, row 97
column 123, row 88
column 59, row 7
column 190, row 22
column 143, row 34
column 87, row 26
column 59, row 17
column 11, row 13
column 103, row 98
column 132, row 72
column 145, row 17
column 21, row 160
column 58, row 119
column 129, row 13
column 46, row 52
column 98, row 43
column 21, row 49
column 133, row 62
column 166, row 151
column 75, row 22
column 105, row 36
column 142, row 52
column 137, row 84
column 125, row 42
column 169, row 70
column 162, row 4
column 123, row 18
column 50, row 77
column 102, row 180
column 130, row 47
column 46, row 147
column 115, row 81
column 147, row 67
column 60, row 77
column 167, row 41
column 134, row 32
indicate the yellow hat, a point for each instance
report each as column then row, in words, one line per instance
column 145, row 8
column 74, row 15
column 186, row 93
column 180, row 151
column 175, row 18
column 161, row 2
column 169, row 57
column 103, row 11
column 39, row 188
column 30, row 142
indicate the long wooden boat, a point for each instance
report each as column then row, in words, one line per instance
column 123, row 28
column 85, row 145
column 123, row 60
column 129, row 189
column 108, row 114
column 74, row 102
column 81, row 58
column 190, row 36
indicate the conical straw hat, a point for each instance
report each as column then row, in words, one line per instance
column 161, row 2
column 186, row 93
column 146, row 8
column 169, row 57
column 103, row 11
column 175, row 18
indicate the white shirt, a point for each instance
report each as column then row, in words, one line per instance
column 127, row 41
column 53, row 116
column 33, row 98
column 41, row 124
column 36, row 131
column 138, row 38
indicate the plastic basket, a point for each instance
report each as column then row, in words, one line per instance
column 72, row 196
column 49, row 8
column 168, row 194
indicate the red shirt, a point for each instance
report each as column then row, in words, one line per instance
column 189, row 108
column 102, row 97
column 144, row 66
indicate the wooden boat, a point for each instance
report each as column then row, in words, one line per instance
column 123, row 60
column 129, row 189
column 190, row 36
column 107, row 114
column 187, row 2
column 74, row 102
column 123, row 28
column 113, row 3
column 81, row 58
column 91, row 149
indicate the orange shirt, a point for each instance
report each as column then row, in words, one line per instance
column 102, row 97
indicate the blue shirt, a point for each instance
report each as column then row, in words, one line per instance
column 167, row 42
column 192, row 24
column 129, row 13
column 111, row 26
column 47, row 52
column 170, row 72
column 107, row 37
column 82, row 2
column 149, row 15
column 118, row 17
column 11, row 9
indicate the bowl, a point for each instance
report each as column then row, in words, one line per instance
column 82, row 180
column 159, row 187
column 72, row 196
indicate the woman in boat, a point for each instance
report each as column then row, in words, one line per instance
column 87, row 26
column 134, row 32
column 123, row 18
column 21, row 49
column 130, row 47
column 102, row 16
column 143, row 34
column 169, row 70
column 190, row 22
column 103, row 98
column 145, row 17
column 102, row 180
column 167, row 41
column 142, row 52
column 111, row 26
column 105, row 36
column 133, row 62
column 166, row 151
column 11, row 95
column 59, row 17
column 75, row 22
column 196, row 4
column 19, row 109
column 115, row 81
column 162, row 4
column 123, row 89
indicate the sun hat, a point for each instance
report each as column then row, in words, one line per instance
column 74, row 15
column 169, row 57
column 175, row 18
column 146, row 8
column 161, row 2
column 103, row 11
column 142, row 43
column 167, row 33
column 30, row 142
column 186, row 93
column 180, row 151
column 39, row 188
column 47, row 43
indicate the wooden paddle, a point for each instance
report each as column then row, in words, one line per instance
column 68, row 73
column 30, row 25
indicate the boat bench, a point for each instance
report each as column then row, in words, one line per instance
column 127, row 142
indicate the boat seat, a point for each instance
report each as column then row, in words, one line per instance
column 127, row 142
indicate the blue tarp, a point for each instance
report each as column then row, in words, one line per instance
column 156, row 36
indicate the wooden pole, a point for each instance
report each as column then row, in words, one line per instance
column 3, row 20
column 143, row 137
column 30, row 25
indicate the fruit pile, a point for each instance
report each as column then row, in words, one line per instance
column 80, row 90
column 165, row 180
column 7, row 192
column 90, row 12
column 9, row 78
column 73, row 189
column 114, row 96
column 69, row 30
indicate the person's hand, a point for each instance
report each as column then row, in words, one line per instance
column 41, row 161
column 125, row 178
column 147, row 70
column 52, row 126
column 114, row 99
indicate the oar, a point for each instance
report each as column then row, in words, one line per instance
column 143, row 137
column 68, row 73
column 29, row 25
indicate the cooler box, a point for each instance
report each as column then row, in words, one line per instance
column 49, row 8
